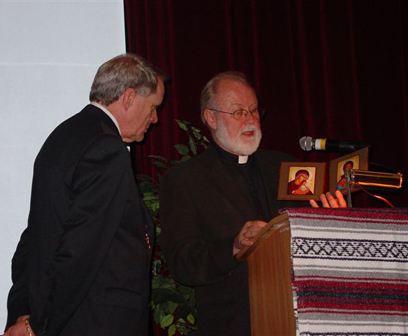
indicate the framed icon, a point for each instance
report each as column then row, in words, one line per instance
column 301, row 180
column 355, row 160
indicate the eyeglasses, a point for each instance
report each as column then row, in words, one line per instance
column 241, row 114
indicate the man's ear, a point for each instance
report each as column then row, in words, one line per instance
column 129, row 97
column 210, row 119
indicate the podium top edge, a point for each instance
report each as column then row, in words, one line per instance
column 272, row 225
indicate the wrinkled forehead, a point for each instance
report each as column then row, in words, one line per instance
column 235, row 93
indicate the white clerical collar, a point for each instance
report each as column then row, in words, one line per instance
column 110, row 115
column 242, row 159
column 227, row 156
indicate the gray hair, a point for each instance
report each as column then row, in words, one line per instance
column 122, row 72
column 210, row 91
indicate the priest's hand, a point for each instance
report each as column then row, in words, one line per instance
column 328, row 201
column 247, row 233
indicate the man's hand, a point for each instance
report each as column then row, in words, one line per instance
column 244, row 237
column 328, row 201
column 23, row 318
column 19, row 329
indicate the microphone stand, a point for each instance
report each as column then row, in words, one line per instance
column 347, row 174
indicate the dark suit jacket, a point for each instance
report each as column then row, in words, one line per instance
column 82, row 265
column 202, row 209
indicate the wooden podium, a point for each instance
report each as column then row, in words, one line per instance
column 269, row 273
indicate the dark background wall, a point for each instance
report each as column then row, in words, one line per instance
column 335, row 69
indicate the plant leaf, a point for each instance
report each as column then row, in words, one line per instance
column 158, row 158
column 166, row 320
column 168, row 283
column 143, row 177
column 161, row 295
column 170, row 307
column 190, row 318
column 182, row 149
column 182, row 124
column 193, row 145
column 147, row 196
column 160, row 164
column 158, row 313
column 172, row 330
column 156, row 267
column 185, row 158
column 197, row 133
column 182, row 326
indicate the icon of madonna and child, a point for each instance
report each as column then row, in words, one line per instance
column 301, row 181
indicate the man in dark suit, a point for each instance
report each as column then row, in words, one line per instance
column 82, row 265
column 214, row 204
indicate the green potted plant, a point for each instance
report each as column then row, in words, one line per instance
column 172, row 304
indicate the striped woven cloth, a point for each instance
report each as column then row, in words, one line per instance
column 350, row 271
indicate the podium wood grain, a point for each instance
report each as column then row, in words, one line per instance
column 269, row 271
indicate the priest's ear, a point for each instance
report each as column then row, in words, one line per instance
column 210, row 119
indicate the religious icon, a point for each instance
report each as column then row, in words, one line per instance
column 299, row 185
column 301, row 181
column 355, row 160
column 342, row 183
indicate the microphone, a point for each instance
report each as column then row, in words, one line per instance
column 307, row 143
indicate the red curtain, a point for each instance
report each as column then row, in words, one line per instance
column 335, row 69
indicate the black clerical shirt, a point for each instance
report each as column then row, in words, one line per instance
column 248, row 177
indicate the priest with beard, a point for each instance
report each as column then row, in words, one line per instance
column 214, row 204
